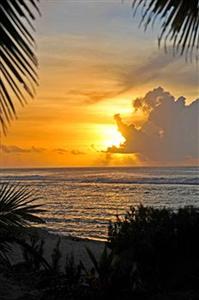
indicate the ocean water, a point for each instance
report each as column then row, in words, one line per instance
column 82, row 201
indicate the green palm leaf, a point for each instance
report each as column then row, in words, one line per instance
column 18, row 61
column 179, row 21
column 17, row 206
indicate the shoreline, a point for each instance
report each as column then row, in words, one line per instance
column 70, row 237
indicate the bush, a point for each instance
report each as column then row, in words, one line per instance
column 152, row 255
column 161, row 246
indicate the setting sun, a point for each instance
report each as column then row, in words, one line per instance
column 99, row 147
column 110, row 136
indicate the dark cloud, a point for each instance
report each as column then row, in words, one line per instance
column 106, row 159
column 62, row 151
column 170, row 133
column 127, row 75
column 113, row 159
column 77, row 152
column 162, row 69
column 158, row 67
column 90, row 96
column 13, row 149
column 148, row 70
column 17, row 150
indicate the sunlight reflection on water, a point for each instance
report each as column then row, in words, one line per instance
column 81, row 202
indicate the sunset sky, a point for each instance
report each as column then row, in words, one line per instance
column 93, row 62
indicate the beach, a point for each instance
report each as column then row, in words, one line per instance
column 68, row 246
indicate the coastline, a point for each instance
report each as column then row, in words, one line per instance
column 69, row 247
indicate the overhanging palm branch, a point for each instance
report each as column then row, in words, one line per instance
column 18, row 60
column 17, row 206
column 179, row 21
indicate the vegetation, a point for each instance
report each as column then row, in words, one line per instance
column 17, row 211
column 151, row 254
column 18, row 60
column 161, row 247
column 17, row 206
column 179, row 22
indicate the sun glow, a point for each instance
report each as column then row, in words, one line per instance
column 111, row 137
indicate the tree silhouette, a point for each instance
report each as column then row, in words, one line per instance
column 179, row 21
column 18, row 60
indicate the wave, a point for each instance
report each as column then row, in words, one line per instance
column 76, row 220
column 103, row 180
column 144, row 180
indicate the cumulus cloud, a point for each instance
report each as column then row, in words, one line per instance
column 17, row 150
column 171, row 132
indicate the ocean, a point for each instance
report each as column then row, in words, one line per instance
column 82, row 201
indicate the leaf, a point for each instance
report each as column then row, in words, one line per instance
column 17, row 206
column 18, row 60
column 179, row 22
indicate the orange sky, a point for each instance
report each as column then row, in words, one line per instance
column 93, row 62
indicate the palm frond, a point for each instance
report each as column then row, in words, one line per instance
column 18, row 61
column 179, row 21
column 17, row 206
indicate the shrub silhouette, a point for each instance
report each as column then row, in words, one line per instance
column 162, row 245
column 152, row 255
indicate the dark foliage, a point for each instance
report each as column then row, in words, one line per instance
column 152, row 254
column 42, row 279
column 18, row 60
column 18, row 209
column 179, row 21
column 161, row 246
column 17, row 206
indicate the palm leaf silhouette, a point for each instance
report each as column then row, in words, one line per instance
column 17, row 210
column 179, row 21
column 18, row 60
column 17, row 207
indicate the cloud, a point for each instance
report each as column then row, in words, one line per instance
column 171, row 132
column 13, row 149
column 147, row 71
column 98, row 69
column 63, row 151
column 18, row 150
column 128, row 74
column 90, row 96
column 77, row 152
column 157, row 68
column 160, row 68
column 60, row 151
column 114, row 159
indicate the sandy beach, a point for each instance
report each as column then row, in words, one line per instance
column 68, row 246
